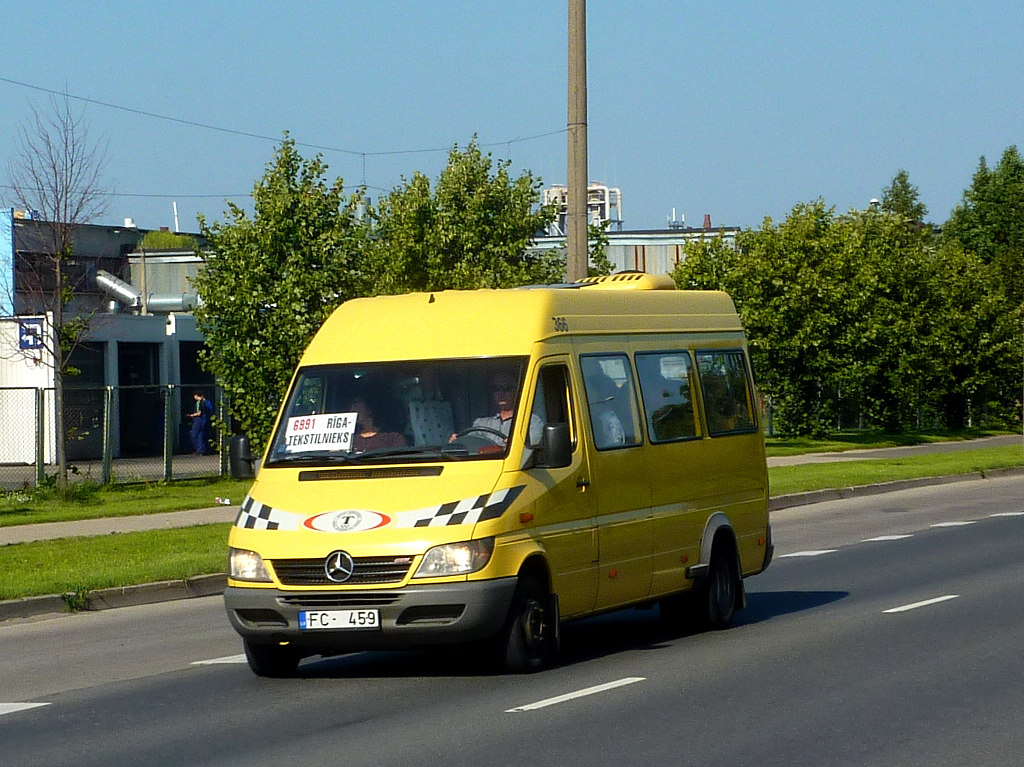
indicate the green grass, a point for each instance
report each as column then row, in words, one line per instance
column 80, row 565
column 92, row 501
column 784, row 480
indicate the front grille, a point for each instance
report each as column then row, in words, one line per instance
column 368, row 571
column 327, row 601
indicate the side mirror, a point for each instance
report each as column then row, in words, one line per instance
column 240, row 459
column 555, row 449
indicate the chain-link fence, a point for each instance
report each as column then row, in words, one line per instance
column 112, row 434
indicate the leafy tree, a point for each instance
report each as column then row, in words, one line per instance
column 901, row 199
column 472, row 230
column 600, row 265
column 848, row 317
column 270, row 280
column 988, row 224
column 56, row 171
column 163, row 240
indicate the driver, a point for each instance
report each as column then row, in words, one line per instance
column 503, row 395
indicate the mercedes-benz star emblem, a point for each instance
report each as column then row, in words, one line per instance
column 339, row 566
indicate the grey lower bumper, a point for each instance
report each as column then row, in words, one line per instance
column 413, row 616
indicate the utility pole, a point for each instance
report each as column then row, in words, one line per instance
column 577, row 256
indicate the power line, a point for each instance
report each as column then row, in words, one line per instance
column 247, row 134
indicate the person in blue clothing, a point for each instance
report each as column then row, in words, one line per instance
column 200, row 431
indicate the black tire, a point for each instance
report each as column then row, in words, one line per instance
column 719, row 591
column 271, row 660
column 526, row 641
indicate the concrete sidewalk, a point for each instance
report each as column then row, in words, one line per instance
column 47, row 531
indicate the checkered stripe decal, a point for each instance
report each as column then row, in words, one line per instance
column 468, row 511
column 258, row 516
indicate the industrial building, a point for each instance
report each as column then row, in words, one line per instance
column 140, row 343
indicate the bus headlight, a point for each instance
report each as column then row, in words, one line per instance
column 248, row 566
column 455, row 558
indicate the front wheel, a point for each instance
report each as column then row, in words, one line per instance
column 526, row 641
column 271, row 660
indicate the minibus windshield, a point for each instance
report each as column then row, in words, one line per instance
column 408, row 411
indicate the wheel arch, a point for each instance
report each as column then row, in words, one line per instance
column 718, row 532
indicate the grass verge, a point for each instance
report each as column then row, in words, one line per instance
column 81, row 565
column 784, row 480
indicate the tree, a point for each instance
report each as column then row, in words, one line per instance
column 472, row 230
column 989, row 225
column 850, row 318
column 160, row 239
column 597, row 237
column 901, row 199
column 56, row 172
column 269, row 281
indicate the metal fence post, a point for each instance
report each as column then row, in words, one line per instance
column 222, row 436
column 40, row 437
column 168, row 434
column 108, row 435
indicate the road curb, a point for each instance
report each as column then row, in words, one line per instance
column 121, row 596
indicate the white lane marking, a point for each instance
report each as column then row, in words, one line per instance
column 1008, row 514
column 886, row 538
column 808, row 553
column 955, row 524
column 10, row 708
column 925, row 603
column 225, row 659
column 578, row 694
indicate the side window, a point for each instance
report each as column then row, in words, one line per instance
column 728, row 403
column 551, row 403
column 666, row 385
column 610, row 398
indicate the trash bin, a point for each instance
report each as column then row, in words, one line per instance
column 240, row 459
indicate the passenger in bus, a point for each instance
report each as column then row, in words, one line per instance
column 368, row 435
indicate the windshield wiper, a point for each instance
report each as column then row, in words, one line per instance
column 314, row 459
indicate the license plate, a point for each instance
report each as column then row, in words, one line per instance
column 320, row 620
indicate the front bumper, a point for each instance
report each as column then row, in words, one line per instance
column 414, row 616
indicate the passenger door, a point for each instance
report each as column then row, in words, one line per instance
column 619, row 476
column 565, row 508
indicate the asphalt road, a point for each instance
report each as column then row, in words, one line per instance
column 887, row 632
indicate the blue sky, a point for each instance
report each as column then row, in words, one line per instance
column 735, row 109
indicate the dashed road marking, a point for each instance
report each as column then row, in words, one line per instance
column 808, row 553
column 962, row 523
column 574, row 695
column 886, row 538
column 10, row 708
column 1008, row 514
column 216, row 661
column 925, row 603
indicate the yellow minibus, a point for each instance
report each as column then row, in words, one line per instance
column 480, row 466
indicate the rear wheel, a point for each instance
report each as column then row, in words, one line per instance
column 526, row 641
column 271, row 660
column 718, row 593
